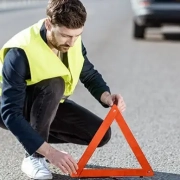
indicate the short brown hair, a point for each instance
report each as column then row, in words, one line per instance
column 69, row 13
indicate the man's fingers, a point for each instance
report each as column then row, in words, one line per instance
column 122, row 108
column 66, row 166
column 109, row 101
column 74, row 162
column 71, row 165
column 121, row 103
column 63, row 169
column 119, row 97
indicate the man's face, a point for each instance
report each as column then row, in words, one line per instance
column 62, row 38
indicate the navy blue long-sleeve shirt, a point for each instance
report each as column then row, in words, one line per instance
column 15, row 72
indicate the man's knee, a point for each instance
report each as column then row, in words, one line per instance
column 53, row 86
column 106, row 138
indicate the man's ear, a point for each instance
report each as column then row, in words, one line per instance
column 48, row 24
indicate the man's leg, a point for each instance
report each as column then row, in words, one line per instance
column 75, row 124
column 41, row 103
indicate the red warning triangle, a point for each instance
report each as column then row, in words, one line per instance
column 145, row 170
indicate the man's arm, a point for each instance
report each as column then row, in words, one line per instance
column 14, row 73
column 14, row 86
column 92, row 79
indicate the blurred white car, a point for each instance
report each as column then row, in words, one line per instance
column 154, row 13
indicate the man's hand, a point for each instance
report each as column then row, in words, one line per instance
column 110, row 100
column 63, row 160
column 60, row 159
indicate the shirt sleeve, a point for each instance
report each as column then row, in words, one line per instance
column 92, row 79
column 14, row 72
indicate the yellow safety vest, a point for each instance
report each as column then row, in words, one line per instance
column 43, row 63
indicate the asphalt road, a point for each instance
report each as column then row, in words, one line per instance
column 145, row 72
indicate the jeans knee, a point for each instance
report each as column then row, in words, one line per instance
column 106, row 138
column 54, row 86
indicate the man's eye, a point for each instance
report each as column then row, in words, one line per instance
column 63, row 35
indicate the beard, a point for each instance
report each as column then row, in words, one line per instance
column 62, row 47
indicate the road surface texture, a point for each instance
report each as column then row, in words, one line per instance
column 145, row 72
column 11, row 5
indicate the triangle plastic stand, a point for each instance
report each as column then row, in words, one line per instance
column 146, row 169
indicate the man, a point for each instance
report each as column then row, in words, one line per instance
column 41, row 67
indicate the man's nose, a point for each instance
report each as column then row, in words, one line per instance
column 71, row 42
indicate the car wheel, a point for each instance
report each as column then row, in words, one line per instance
column 139, row 31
